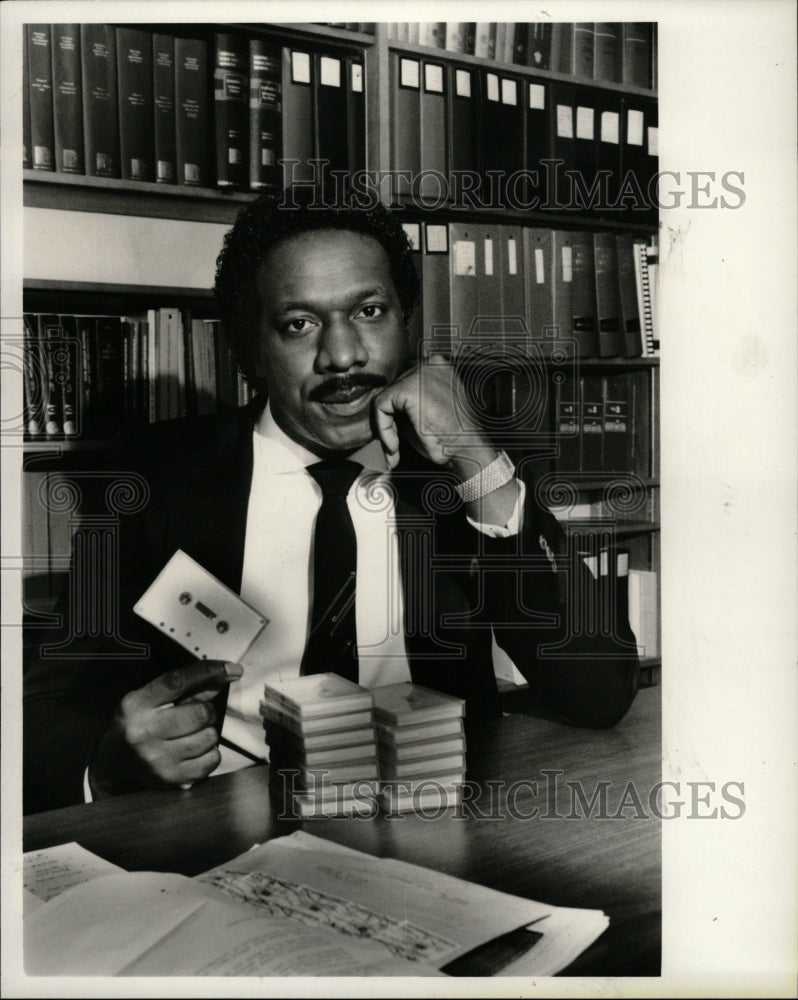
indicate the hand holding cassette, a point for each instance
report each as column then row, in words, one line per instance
column 165, row 732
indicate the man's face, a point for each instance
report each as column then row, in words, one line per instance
column 331, row 335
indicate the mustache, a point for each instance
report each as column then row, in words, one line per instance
column 345, row 383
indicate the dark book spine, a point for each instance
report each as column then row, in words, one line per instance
column 34, row 375
column 583, row 48
column 616, row 428
column 356, row 115
column 163, row 107
column 231, row 98
column 608, row 305
column 67, row 99
column 592, row 423
column 607, row 52
column 538, row 47
column 100, row 110
column 627, row 297
column 134, row 88
column 265, row 113
column 567, row 425
column 109, row 374
column 636, row 56
column 51, row 336
column 583, row 291
column 40, row 91
column 86, row 325
column 192, row 106
column 69, row 375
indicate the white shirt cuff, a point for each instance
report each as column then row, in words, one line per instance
column 87, row 796
column 515, row 522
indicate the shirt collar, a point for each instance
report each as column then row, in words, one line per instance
column 280, row 454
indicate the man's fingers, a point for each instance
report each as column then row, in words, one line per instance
column 181, row 720
column 193, row 746
column 176, row 684
column 385, row 424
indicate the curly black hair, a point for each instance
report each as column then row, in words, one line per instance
column 270, row 219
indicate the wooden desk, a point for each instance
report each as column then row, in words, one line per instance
column 608, row 863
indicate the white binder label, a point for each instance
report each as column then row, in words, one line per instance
column 493, row 87
column 489, row 256
column 300, row 67
column 634, row 128
column 409, row 73
column 565, row 121
column 567, row 264
column 610, row 127
column 437, row 239
column 512, row 258
column 509, row 92
column 464, row 253
column 462, row 83
column 357, row 78
column 653, row 140
column 433, row 78
column 585, row 127
column 330, row 71
column 540, row 272
column 537, row 96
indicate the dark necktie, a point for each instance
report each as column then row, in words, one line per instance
column 332, row 643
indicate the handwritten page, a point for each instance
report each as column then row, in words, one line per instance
column 49, row 872
column 413, row 912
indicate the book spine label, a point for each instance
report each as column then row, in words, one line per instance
column 231, row 99
column 192, row 109
column 136, row 134
column 100, row 110
column 163, row 100
column 40, row 91
column 67, row 99
column 616, row 423
column 265, row 113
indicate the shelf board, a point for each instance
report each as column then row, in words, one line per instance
column 419, row 210
column 312, row 32
column 112, row 196
column 621, row 529
column 515, row 69
column 97, row 298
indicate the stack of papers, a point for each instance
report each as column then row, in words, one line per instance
column 421, row 745
column 322, row 745
column 298, row 905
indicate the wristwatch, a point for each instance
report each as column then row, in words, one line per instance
column 500, row 471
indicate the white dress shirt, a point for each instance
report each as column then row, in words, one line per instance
column 277, row 575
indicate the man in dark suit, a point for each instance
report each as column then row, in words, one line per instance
column 447, row 538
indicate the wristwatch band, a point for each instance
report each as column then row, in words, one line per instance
column 500, row 471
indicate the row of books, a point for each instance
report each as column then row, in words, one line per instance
column 222, row 110
column 589, row 295
column 86, row 375
column 595, row 423
column 485, row 136
column 335, row 746
column 607, row 52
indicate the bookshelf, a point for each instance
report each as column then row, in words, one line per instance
column 127, row 283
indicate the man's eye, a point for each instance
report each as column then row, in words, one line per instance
column 298, row 325
column 371, row 311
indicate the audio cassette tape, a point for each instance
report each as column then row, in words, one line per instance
column 198, row 611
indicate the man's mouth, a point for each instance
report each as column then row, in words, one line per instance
column 349, row 393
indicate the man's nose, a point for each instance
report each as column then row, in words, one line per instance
column 340, row 346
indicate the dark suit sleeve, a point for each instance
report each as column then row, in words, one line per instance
column 77, row 672
column 565, row 630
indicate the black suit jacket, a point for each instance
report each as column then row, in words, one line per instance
column 185, row 485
